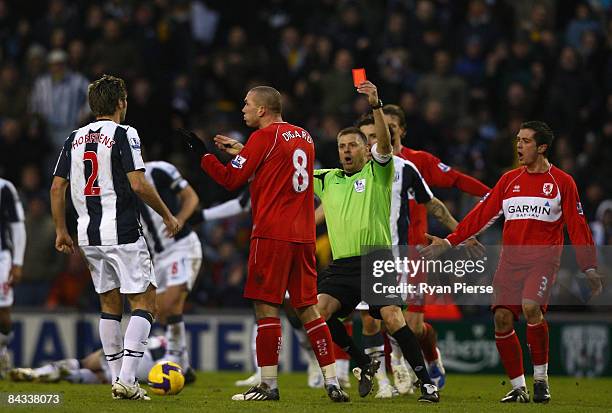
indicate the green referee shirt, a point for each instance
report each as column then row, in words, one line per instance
column 357, row 207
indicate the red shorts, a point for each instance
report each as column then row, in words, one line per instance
column 514, row 283
column 277, row 266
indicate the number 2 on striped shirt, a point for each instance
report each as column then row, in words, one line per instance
column 90, row 189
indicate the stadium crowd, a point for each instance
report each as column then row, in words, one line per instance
column 465, row 72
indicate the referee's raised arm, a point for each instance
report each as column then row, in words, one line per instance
column 384, row 146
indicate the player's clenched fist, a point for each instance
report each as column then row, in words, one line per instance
column 64, row 243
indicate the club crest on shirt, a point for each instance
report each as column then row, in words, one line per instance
column 547, row 188
column 443, row 167
column 360, row 185
column 134, row 143
column 238, row 162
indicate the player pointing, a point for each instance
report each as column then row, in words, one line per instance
column 537, row 200
column 102, row 164
column 278, row 160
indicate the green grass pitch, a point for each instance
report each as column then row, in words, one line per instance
column 212, row 393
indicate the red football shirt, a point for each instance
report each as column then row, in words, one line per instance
column 437, row 175
column 536, row 206
column 278, row 161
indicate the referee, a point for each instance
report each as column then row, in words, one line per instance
column 357, row 200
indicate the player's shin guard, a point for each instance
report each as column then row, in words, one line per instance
column 112, row 341
column 322, row 346
column 412, row 353
column 428, row 343
column 345, row 342
column 175, row 335
column 135, row 344
column 511, row 354
column 537, row 339
column 268, row 345
column 375, row 348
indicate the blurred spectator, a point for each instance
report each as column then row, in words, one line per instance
column 444, row 87
column 61, row 97
column 41, row 262
column 13, row 93
column 114, row 53
column 583, row 21
column 602, row 226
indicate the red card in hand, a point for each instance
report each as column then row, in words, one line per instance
column 359, row 76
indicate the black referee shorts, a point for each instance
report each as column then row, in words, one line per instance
column 342, row 280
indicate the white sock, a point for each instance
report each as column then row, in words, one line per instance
column 540, row 372
column 379, row 353
column 329, row 374
column 112, row 342
column 46, row 369
column 518, row 382
column 396, row 352
column 342, row 368
column 177, row 348
column 269, row 376
column 83, row 376
column 135, row 344
column 70, row 364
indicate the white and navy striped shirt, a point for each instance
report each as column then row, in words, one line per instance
column 11, row 213
column 168, row 182
column 96, row 159
column 407, row 184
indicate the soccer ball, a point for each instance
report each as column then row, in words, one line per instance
column 166, row 378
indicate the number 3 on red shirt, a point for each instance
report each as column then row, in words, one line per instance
column 90, row 189
column 300, row 176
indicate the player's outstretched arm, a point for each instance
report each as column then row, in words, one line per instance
column 437, row 208
column 149, row 196
column 63, row 241
column 437, row 247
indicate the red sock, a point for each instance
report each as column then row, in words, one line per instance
column 510, row 352
column 321, row 341
column 338, row 352
column 537, row 339
column 268, row 341
column 429, row 342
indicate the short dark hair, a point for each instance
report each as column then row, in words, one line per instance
column 104, row 93
column 396, row 111
column 364, row 120
column 543, row 134
column 352, row 130
column 268, row 97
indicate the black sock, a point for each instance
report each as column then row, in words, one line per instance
column 345, row 342
column 412, row 352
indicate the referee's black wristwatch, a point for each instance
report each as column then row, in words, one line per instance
column 378, row 105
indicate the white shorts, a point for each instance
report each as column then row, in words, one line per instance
column 179, row 264
column 6, row 291
column 362, row 306
column 125, row 266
